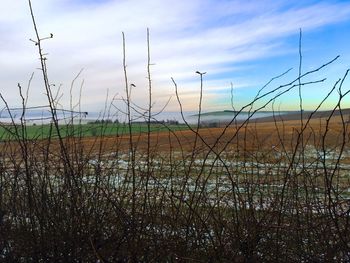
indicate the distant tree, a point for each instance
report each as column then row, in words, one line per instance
column 93, row 131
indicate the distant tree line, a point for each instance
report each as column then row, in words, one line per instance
column 104, row 121
column 116, row 121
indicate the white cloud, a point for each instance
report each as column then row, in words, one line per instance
column 186, row 36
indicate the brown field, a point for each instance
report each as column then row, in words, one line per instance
column 252, row 136
column 250, row 201
column 255, row 136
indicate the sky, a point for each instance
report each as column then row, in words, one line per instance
column 238, row 43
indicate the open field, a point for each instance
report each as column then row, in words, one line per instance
column 8, row 132
column 250, row 192
column 261, row 134
column 256, row 135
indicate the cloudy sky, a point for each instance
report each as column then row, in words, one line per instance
column 245, row 43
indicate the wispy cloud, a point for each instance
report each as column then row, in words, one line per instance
column 213, row 36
